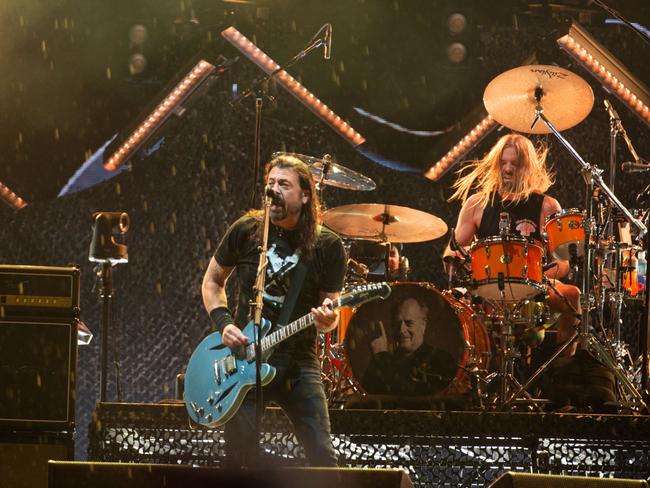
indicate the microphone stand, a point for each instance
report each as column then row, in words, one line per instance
column 256, row 310
column 592, row 175
column 259, row 87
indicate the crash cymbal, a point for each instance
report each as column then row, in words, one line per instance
column 336, row 174
column 389, row 223
column 566, row 99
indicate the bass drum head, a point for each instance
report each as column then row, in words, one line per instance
column 411, row 344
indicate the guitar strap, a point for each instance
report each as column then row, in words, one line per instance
column 296, row 285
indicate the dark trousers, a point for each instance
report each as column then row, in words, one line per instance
column 297, row 388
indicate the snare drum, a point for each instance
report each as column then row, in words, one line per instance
column 428, row 341
column 512, row 265
column 565, row 229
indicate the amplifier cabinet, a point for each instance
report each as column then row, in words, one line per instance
column 39, row 291
column 37, row 373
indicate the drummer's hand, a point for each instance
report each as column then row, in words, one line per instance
column 233, row 336
column 379, row 344
column 324, row 317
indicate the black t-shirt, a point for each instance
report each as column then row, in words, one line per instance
column 326, row 269
column 524, row 216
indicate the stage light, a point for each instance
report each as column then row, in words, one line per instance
column 170, row 104
column 293, row 86
column 137, row 63
column 608, row 70
column 10, row 198
column 477, row 133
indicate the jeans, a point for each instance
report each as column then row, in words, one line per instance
column 297, row 388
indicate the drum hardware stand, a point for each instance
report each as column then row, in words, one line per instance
column 333, row 374
column 592, row 175
column 506, row 366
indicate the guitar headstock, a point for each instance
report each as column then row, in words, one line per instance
column 361, row 294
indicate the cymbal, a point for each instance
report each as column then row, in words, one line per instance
column 389, row 223
column 336, row 174
column 566, row 99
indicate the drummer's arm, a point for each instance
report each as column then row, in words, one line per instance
column 465, row 227
column 549, row 207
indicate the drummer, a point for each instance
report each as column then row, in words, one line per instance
column 512, row 178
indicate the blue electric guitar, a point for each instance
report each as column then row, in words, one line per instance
column 217, row 377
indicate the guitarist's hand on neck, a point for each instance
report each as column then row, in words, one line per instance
column 232, row 336
column 325, row 318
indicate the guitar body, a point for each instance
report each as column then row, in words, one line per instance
column 217, row 378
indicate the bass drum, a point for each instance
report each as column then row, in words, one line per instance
column 417, row 342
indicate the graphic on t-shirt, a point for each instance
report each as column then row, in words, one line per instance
column 525, row 227
column 278, row 278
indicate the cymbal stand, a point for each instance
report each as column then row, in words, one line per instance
column 592, row 175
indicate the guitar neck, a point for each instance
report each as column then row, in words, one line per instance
column 292, row 328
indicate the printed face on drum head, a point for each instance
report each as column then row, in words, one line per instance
column 411, row 321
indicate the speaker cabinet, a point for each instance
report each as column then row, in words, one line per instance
column 527, row 480
column 37, row 373
column 110, row 475
column 24, row 457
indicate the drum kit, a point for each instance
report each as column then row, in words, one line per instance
column 500, row 310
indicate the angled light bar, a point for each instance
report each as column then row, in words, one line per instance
column 171, row 104
column 486, row 125
column 608, row 70
column 293, row 86
column 10, row 198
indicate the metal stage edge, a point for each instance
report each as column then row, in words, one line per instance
column 436, row 448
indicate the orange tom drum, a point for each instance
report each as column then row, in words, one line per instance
column 564, row 229
column 417, row 342
column 507, row 268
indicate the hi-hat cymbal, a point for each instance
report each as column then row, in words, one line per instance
column 510, row 98
column 389, row 223
column 329, row 173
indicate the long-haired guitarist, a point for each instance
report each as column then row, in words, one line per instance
column 294, row 236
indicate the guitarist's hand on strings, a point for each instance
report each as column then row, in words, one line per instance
column 232, row 336
column 324, row 317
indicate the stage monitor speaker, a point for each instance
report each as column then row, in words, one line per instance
column 527, row 480
column 37, row 373
column 24, row 457
column 110, row 475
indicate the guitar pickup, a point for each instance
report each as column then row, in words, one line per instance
column 217, row 371
column 230, row 364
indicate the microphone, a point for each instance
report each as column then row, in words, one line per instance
column 276, row 198
column 610, row 110
column 638, row 167
column 504, row 223
column 327, row 42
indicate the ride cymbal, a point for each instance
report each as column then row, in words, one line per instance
column 565, row 98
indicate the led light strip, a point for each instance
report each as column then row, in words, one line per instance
column 10, row 198
column 607, row 70
column 459, row 150
column 163, row 110
column 293, row 86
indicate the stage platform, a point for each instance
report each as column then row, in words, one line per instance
column 436, row 448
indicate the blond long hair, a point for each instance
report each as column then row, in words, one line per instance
column 485, row 174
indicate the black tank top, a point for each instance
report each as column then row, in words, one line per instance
column 524, row 217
